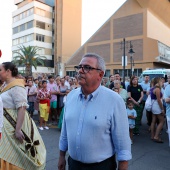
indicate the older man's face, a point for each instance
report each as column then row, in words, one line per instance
column 91, row 78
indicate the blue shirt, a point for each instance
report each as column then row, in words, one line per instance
column 167, row 95
column 95, row 128
column 131, row 113
column 145, row 87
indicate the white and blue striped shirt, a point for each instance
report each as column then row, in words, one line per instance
column 95, row 128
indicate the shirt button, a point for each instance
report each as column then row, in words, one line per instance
column 77, row 147
column 77, row 133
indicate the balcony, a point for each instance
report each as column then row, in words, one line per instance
column 16, row 2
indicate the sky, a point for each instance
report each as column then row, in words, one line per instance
column 94, row 15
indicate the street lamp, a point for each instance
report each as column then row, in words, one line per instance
column 131, row 52
column 124, row 43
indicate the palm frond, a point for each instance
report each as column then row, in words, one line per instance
column 28, row 56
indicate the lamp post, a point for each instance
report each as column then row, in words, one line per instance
column 131, row 52
column 124, row 43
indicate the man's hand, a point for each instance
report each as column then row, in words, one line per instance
column 61, row 163
column 123, row 165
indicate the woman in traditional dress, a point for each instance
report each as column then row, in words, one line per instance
column 1, row 117
column 21, row 144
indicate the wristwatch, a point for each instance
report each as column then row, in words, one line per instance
column 139, row 101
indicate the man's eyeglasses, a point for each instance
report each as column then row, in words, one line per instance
column 85, row 68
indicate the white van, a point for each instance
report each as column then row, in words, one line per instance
column 154, row 73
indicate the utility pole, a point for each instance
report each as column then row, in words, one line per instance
column 131, row 52
column 124, row 51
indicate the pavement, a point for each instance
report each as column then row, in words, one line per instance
column 147, row 155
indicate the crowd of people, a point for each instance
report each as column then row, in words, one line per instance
column 135, row 95
column 75, row 105
column 47, row 96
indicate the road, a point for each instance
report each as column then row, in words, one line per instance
column 147, row 155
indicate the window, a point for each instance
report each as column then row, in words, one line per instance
column 29, row 37
column 29, row 24
column 15, row 42
column 22, row 40
column 20, row 16
column 16, row 18
column 71, row 73
column 31, row 11
column 107, row 73
column 23, row 15
column 40, row 37
column 136, row 72
column 40, row 24
column 28, row 13
column 15, row 30
column 40, row 12
column 22, row 27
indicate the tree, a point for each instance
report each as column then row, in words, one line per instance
column 28, row 57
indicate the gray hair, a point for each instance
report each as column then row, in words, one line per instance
column 100, row 60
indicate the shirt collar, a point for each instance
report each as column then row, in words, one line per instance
column 91, row 96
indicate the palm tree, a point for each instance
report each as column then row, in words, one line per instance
column 28, row 57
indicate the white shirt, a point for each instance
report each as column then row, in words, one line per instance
column 67, row 84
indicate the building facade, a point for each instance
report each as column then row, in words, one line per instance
column 145, row 24
column 68, row 18
column 48, row 24
column 32, row 25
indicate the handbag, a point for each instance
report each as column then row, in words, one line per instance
column 148, row 104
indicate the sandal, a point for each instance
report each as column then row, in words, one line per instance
column 158, row 140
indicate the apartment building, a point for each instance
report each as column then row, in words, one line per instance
column 48, row 24
column 33, row 25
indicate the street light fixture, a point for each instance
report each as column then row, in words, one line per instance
column 131, row 52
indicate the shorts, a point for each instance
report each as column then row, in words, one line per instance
column 53, row 105
column 131, row 126
column 44, row 111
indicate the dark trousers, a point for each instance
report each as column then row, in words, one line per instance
column 139, row 110
column 108, row 164
column 149, row 117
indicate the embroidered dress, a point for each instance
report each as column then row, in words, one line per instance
column 1, row 117
column 31, row 154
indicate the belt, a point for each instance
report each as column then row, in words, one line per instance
column 112, row 158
